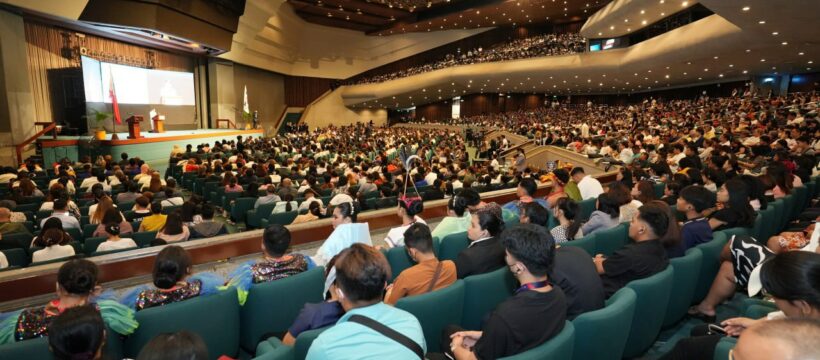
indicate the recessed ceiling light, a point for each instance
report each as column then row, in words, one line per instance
column 685, row 4
column 748, row 50
column 716, row 57
column 731, row 65
column 745, row 8
column 784, row 43
column 762, row 60
column 801, row 53
column 811, row 62
column 643, row 12
column 612, row 27
column 643, row 22
column 745, row 71
column 720, row 75
column 761, row 22
column 775, row 33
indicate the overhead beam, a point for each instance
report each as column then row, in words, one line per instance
column 334, row 22
column 370, row 8
column 310, row 8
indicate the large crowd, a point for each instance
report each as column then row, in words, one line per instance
column 530, row 47
column 691, row 172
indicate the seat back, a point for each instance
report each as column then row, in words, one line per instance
column 791, row 208
column 91, row 244
column 757, row 230
column 612, row 323
column 653, row 297
column 610, row 240
column 435, row 310
column 483, row 293
column 452, row 245
column 215, row 318
column 241, row 207
column 587, row 243
column 767, row 223
column 304, row 340
column 687, row 272
column 144, row 239
column 659, row 189
column 16, row 257
column 559, row 347
column 283, row 218
column 398, row 259
column 724, row 346
column 39, row 349
column 271, row 307
column 587, row 207
column 255, row 216
column 15, row 241
column 710, row 264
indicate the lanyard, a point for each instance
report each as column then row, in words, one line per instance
column 532, row 286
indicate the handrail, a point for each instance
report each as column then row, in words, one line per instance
column 228, row 121
column 19, row 147
column 279, row 120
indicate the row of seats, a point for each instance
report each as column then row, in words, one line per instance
column 630, row 322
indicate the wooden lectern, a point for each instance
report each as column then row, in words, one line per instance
column 159, row 124
column 134, row 127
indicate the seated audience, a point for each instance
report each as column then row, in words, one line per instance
column 457, row 220
column 112, row 215
column 155, row 221
column 533, row 315
column 318, row 315
column 142, row 209
column 588, row 186
column 53, row 241
column 485, row 253
column 346, row 232
column 61, row 213
column 407, row 211
column 314, row 212
column 568, row 214
column 692, row 202
column 533, row 213
column 76, row 286
column 172, row 282
column 362, row 273
column 644, row 257
column 114, row 241
column 733, row 206
column 77, row 333
column 605, row 217
column 208, row 227
column 175, row 346
column 278, row 264
column 174, row 229
column 429, row 274
column 8, row 227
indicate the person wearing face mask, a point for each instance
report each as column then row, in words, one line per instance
column 369, row 329
column 429, row 274
column 485, row 253
column 346, row 232
column 532, row 316
column 645, row 257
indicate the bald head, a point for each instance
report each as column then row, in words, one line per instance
column 5, row 214
column 785, row 339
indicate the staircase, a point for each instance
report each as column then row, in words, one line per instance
column 47, row 127
column 290, row 118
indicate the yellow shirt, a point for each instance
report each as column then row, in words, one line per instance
column 153, row 222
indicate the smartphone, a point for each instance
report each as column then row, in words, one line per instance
column 715, row 329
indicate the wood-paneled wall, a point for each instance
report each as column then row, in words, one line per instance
column 301, row 90
column 442, row 110
column 50, row 47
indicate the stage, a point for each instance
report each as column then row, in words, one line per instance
column 154, row 149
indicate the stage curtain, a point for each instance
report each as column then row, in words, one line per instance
column 50, row 47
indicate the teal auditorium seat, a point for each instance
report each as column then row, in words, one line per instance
column 273, row 349
column 659, row 189
column 653, row 297
column 283, row 218
column 398, row 259
column 215, row 318
column 758, row 230
column 452, row 244
column 710, row 264
column 559, row 347
column 37, row 349
column 610, row 240
column 483, row 293
column 240, row 208
column 587, row 243
column 687, row 272
column 271, row 307
column 587, row 207
column 602, row 334
column 254, row 217
column 16, row 257
column 767, row 223
column 435, row 310
column 724, row 346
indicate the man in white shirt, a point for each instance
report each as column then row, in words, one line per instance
column 171, row 200
column 588, row 186
column 60, row 212
column 626, row 155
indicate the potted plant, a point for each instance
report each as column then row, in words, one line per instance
column 99, row 117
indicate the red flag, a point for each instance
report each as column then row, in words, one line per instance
column 115, row 106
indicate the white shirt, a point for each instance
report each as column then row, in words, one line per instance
column 116, row 245
column 590, row 188
column 306, row 204
column 4, row 263
column 431, row 178
column 174, row 201
column 52, row 252
column 626, row 155
column 340, row 199
column 395, row 237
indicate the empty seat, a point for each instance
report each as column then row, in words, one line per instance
column 240, row 208
column 612, row 324
column 255, row 216
column 435, row 310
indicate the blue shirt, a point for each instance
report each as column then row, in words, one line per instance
column 695, row 232
column 348, row 340
column 316, row 316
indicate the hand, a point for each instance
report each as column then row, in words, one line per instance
column 465, row 339
column 735, row 326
